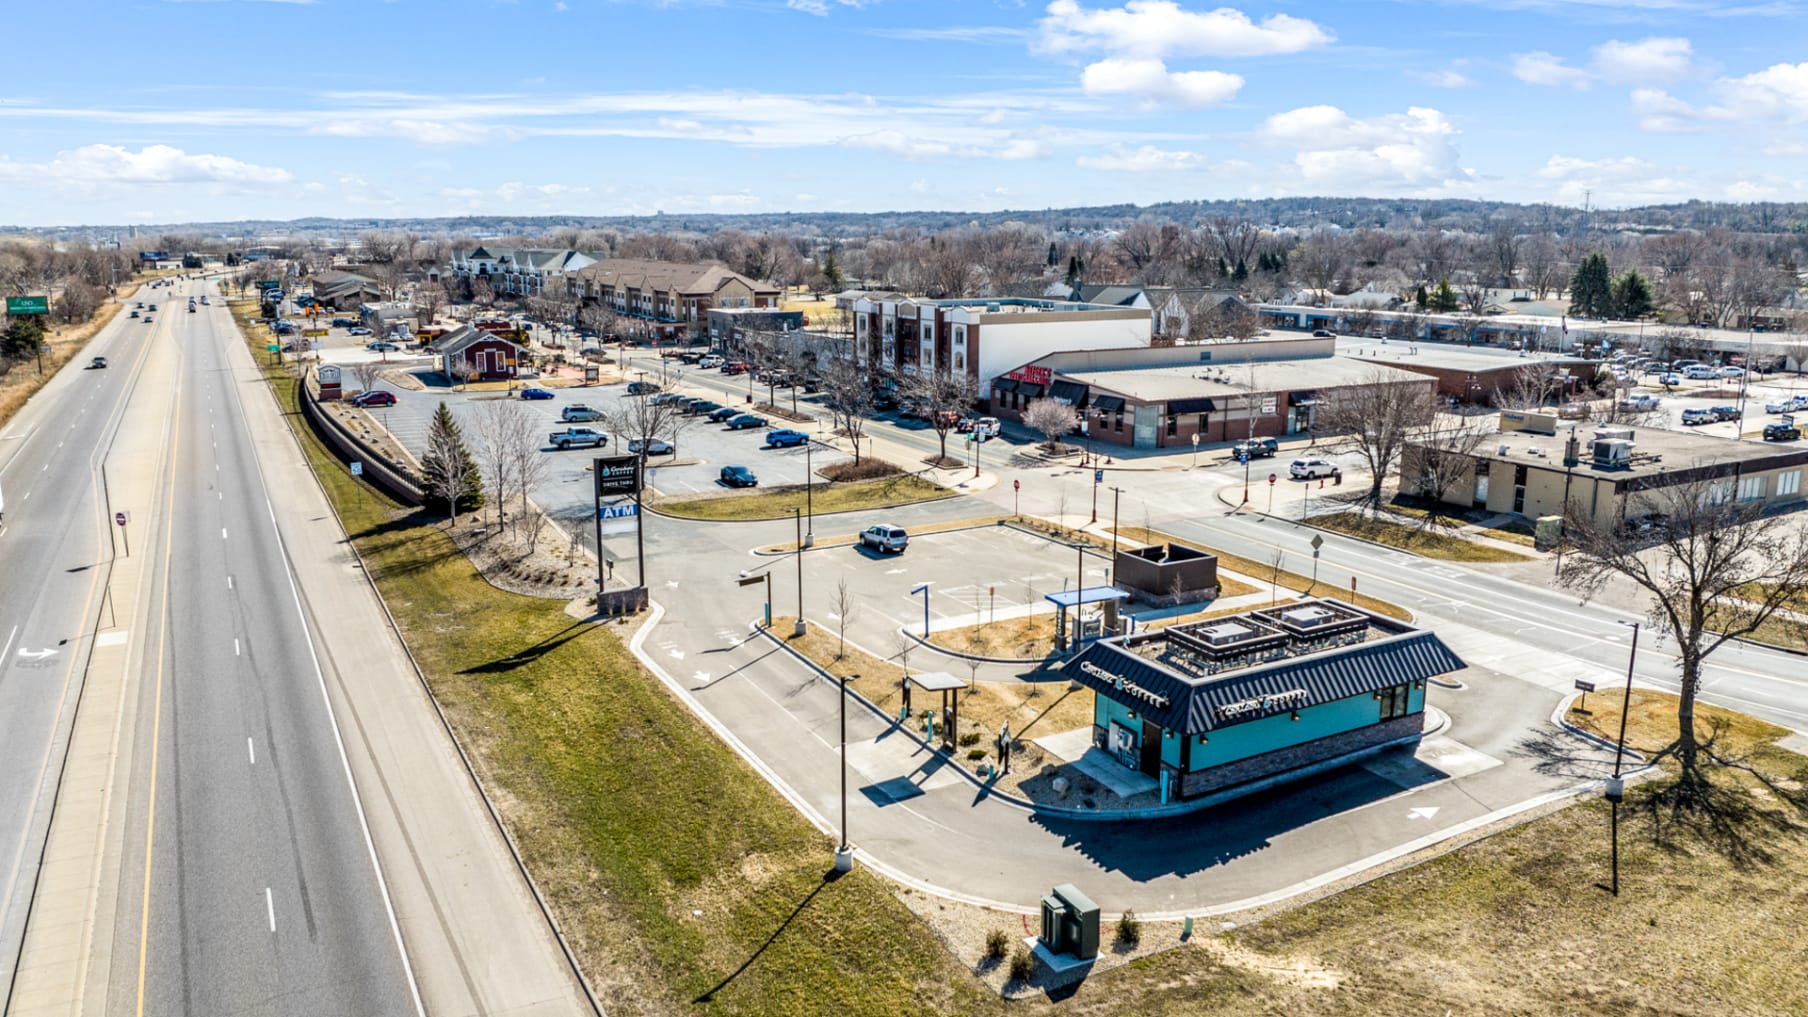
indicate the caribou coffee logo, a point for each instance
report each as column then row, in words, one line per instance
column 1124, row 685
column 1262, row 704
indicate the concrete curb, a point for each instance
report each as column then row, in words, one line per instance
column 650, row 507
column 935, row 648
column 1557, row 719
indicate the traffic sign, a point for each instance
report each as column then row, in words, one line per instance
column 1098, row 476
column 357, row 469
column 1317, row 542
column 1016, row 485
column 312, row 333
column 120, row 518
column 272, row 348
column 1272, row 478
column 27, row 305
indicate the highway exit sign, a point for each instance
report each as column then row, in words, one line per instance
column 27, row 305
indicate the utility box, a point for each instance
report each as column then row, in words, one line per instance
column 1070, row 923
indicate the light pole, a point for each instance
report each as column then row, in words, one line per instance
column 1751, row 332
column 844, row 855
column 1616, row 789
column 1098, row 477
column 923, row 588
column 809, row 494
column 798, row 629
column 1116, row 493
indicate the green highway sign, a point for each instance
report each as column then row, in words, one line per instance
column 27, row 305
column 272, row 348
column 267, row 284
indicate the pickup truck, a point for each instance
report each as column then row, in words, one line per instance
column 1260, row 448
column 577, row 436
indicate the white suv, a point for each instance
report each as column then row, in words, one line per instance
column 1306, row 469
column 885, row 539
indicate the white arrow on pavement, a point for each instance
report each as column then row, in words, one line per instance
column 676, row 654
column 701, row 677
column 1423, row 812
column 894, row 572
column 671, row 584
column 35, row 654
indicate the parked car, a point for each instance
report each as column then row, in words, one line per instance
column 344, row 322
column 1306, row 469
column 884, row 400
column 654, row 447
column 722, row 413
column 885, row 539
column 736, row 367
column 746, row 421
column 710, row 360
column 1639, row 403
column 1323, row 333
column 1787, row 405
column 1260, row 448
column 1693, row 417
column 535, row 393
column 636, row 388
column 97, row 362
column 1725, row 412
column 1732, row 372
column 382, row 347
column 375, row 397
column 785, row 437
column 1700, row 372
column 1669, row 380
column 986, row 427
column 738, row 476
column 578, row 413
column 1782, row 432
column 577, row 436
column 663, row 398
column 701, row 406
column 357, row 330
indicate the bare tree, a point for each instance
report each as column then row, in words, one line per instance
column 1528, row 387
column 499, row 425
column 849, row 394
column 597, row 318
column 427, row 298
column 1440, row 463
column 846, row 605
column 1374, row 420
column 1051, row 418
column 945, row 397
column 645, row 420
column 367, row 372
column 528, row 468
column 1716, row 568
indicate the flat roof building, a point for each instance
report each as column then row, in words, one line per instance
column 1274, row 693
column 1537, row 464
column 982, row 339
column 1483, row 376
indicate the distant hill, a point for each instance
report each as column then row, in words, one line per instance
column 1298, row 213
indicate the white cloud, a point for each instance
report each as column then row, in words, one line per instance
column 1541, row 68
column 424, row 132
column 153, row 164
column 741, row 199
column 1777, row 94
column 1145, row 159
column 1449, row 77
column 1336, row 153
column 915, row 147
column 821, row 7
column 1653, row 59
column 1624, row 180
column 1151, row 81
column 1152, row 29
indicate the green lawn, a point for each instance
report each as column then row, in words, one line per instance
column 889, row 492
column 1419, row 541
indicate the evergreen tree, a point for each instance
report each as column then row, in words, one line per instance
column 1054, row 256
column 22, row 336
column 1443, row 299
column 831, row 270
column 454, row 483
column 1242, row 271
column 1591, row 288
column 1632, row 295
column 1223, row 269
column 1421, row 298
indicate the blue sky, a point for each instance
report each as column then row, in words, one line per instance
column 174, row 110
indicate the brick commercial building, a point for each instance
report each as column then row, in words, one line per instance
column 1485, row 377
column 1159, row 397
column 1537, row 463
column 1271, row 694
column 668, row 297
column 478, row 354
column 983, row 339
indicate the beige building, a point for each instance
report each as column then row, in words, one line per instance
column 1536, row 464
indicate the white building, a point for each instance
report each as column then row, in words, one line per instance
column 985, row 338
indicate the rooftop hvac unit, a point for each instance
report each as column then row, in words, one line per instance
column 1308, row 616
column 1613, row 452
column 1225, row 633
column 1606, row 433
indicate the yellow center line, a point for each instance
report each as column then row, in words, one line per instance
column 150, row 823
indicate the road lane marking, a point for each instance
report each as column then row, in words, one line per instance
column 270, row 907
column 229, row 582
column 235, row 647
column 222, row 533
column 251, row 750
column 9, row 642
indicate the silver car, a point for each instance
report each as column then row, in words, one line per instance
column 885, row 539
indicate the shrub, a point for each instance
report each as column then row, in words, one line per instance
column 1022, row 967
column 866, row 469
column 1129, row 928
column 976, row 753
column 970, row 738
column 996, row 941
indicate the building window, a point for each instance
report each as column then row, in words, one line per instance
column 1751, row 488
column 960, row 361
column 960, row 335
column 1205, row 421
column 1117, row 421
column 1789, row 483
column 1173, row 425
column 1720, row 492
column 929, row 331
column 1395, row 702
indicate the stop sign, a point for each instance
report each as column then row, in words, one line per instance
column 120, row 518
column 1272, row 478
column 1016, row 485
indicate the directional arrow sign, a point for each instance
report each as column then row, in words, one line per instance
column 35, row 654
column 1423, row 812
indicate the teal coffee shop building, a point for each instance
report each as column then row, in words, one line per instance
column 1268, row 694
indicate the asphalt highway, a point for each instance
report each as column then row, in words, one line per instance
column 54, row 552
column 250, row 884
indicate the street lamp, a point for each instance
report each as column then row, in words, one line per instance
column 844, row 854
column 1616, row 788
column 809, row 494
column 798, row 629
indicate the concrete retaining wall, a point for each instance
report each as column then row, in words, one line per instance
column 385, row 475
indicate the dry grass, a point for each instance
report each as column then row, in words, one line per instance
column 1418, row 540
column 773, row 503
column 66, row 343
column 1028, row 638
column 1651, row 723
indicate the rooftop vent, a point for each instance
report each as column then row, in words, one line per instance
column 1305, row 617
column 1613, row 452
column 1225, row 633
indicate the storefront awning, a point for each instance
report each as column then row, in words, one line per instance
column 1070, row 392
column 1030, row 389
column 1202, row 405
column 1004, row 385
column 1108, row 404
